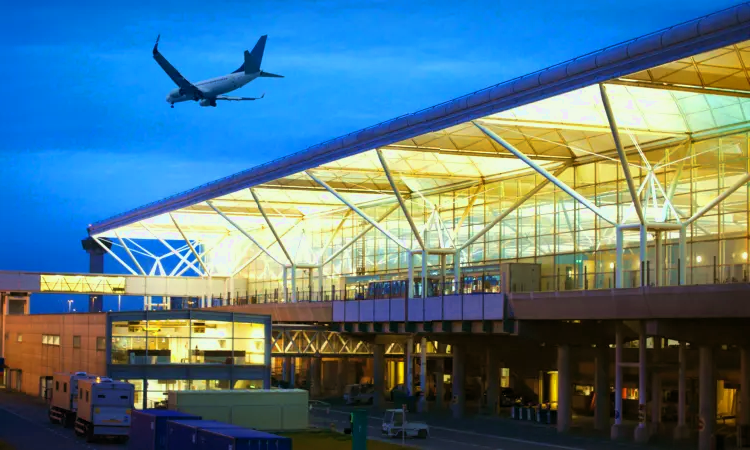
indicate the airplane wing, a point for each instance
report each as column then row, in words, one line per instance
column 237, row 99
column 185, row 86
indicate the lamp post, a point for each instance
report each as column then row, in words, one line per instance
column 70, row 305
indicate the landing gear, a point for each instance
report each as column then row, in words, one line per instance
column 171, row 105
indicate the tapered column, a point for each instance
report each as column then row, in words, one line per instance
column 410, row 275
column 601, row 387
column 564, row 389
column 285, row 285
column 459, row 374
column 294, row 283
column 423, row 374
column 706, row 398
column 409, row 364
column 493, row 381
column 682, row 431
column 656, row 394
column 378, row 375
column 744, row 418
column 617, row 431
column 641, row 431
column 439, row 383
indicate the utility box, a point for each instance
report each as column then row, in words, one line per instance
column 148, row 428
column 241, row 439
column 104, row 408
column 268, row 410
column 520, row 277
column 183, row 434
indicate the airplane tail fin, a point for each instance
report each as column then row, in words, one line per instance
column 254, row 58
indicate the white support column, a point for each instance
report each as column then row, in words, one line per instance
column 294, row 283
column 617, row 431
column 320, row 283
column 643, row 273
column 400, row 199
column 423, row 374
column 425, row 255
column 443, row 257
column 457, row 271
column 706, row 398
column 271, row 227
column 564, row 389
column 682, row 431
column 410, row 275
column 285, row 285
column 641, row 431
column 619, row 272
column 659, row 263
column 683, row 262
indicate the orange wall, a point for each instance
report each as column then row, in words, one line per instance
column 37, row 360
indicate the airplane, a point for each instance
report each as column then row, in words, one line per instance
column 207, row 92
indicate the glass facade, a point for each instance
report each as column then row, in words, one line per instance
column 684, row 137
column 187, row 341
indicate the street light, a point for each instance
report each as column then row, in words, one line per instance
column 70, row 305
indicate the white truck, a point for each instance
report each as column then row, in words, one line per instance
column 104, row 408
column 395, row 425
column 64, row 401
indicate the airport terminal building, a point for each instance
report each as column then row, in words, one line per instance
column 597, row 209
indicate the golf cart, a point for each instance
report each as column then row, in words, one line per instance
column 396, row 426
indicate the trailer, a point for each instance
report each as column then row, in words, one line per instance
column 104, row 408
column 64, row 401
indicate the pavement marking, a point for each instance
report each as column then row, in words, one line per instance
column 493, row 436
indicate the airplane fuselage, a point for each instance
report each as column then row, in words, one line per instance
column 214, row 87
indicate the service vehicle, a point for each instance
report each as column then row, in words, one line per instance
column 64, row 401
column 395, row 425
column 104, row 408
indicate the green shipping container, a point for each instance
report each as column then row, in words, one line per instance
column 266, row 410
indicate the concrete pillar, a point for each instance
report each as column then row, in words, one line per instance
column 442, row 273
column 682, row 431
column 659, row 259
column 321, row 297
column 744, row 418
column 423, row 374
column 425, row 256
column 617, row 431
column 409, row 365
column 601, row 387
column 315, row 387
column 439, row 386
column 706, row 398
column 656, row 394
column 378, row 375
column 682, row 248
column 458, row 403
column 641, row 431
column 564, row 389
column 493, row 382
column 457, row 270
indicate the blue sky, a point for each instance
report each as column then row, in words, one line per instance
column 87, row 133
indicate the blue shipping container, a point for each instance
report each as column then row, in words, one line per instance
column 183, row 434
column 148, row 428
column 241, row 439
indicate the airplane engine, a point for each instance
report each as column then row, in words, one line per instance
column 207, row 102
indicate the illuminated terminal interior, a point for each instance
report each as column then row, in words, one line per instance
column 683, row 128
